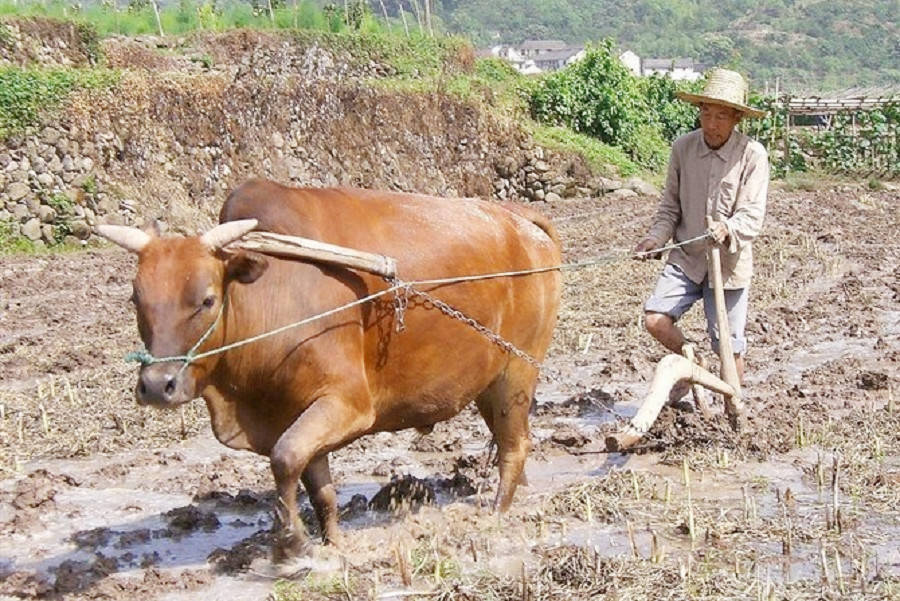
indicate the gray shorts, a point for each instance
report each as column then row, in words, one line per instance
column 675, row 293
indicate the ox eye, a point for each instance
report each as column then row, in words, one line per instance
column 209, row 301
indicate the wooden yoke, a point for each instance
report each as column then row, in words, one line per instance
column 295, row 247
column 733, row 405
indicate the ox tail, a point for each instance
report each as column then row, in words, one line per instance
column 536, row 218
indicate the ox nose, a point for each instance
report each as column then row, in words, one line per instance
column 157, row 385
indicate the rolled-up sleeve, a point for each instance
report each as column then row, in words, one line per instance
column 668, row 214
column 746, row 222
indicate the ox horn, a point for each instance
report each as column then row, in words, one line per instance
column 227, row 232
column 129, row 238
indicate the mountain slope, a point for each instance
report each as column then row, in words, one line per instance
column 808, row 44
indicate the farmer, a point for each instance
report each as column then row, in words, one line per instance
column 717, row 171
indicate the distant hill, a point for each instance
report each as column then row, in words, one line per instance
column 808, row 44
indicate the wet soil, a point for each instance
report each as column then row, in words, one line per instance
column 102, row 499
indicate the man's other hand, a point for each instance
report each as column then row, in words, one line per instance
column 645, row 245
column 719, row 232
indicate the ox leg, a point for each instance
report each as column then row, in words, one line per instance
column 317, row 481
column 504, row 406
column 328, row 423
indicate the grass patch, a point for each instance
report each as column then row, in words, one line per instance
column 314, row 586
column 14, row 244
column 27, row 93
column 603, row 158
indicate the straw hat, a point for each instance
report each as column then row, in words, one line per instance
column 724, row 87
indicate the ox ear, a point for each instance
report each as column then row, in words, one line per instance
column 225, row 233
column 245, row 267
column 129, row 238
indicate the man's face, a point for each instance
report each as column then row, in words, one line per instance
column 717, row 123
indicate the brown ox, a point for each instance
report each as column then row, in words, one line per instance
column 298, row 395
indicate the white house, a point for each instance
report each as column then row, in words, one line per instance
column 632, row 61
column 534, row 48
column 676, row 68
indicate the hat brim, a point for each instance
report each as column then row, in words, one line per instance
column 700, row 99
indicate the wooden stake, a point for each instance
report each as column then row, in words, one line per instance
column 634, row 549
column 657, row 553
column 524, row 582
column 835, row 490
column 838, row 570
column 787, row 135
column 402, row 564
column 733, row 405
column 156, row 14
column 826, row 579
column 403, row 17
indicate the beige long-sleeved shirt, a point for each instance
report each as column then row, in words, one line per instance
column 730, row 184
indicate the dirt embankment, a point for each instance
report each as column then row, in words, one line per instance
column 193, row 117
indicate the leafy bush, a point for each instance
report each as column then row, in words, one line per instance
column 600, row 97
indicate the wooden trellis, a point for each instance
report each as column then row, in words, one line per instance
column 849, row 101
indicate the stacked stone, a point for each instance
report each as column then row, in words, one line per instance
column 48, row 193
column 542, row 177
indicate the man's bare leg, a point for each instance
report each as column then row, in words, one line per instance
column 663, row 328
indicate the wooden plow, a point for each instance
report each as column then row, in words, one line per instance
column 675, row 368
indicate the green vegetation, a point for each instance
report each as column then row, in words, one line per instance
column 816, row 44
column 313, row 585
column 137, row 17
column 600, row 97
column 855, row 142
column 11, row 243
column 598, row 155
column 26, row 93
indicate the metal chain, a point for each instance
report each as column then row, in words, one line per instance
column 481, row 329
column 401, row 302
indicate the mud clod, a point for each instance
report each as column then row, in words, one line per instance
column 406, row 490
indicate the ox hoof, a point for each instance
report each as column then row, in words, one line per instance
column 335, row 539
column 288, row 548
column 295, row 568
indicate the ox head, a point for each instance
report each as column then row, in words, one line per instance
column 179, row 291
